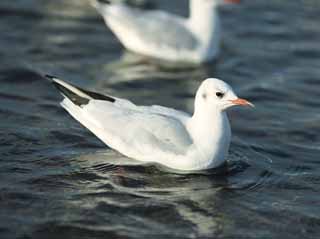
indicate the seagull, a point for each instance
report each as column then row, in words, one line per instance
column 155, row 133
column 166, row 36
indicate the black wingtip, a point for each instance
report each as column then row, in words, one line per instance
column 98, row 96
column 76, row 99
column 58, row 86
column 50, row 77
column 104, row 1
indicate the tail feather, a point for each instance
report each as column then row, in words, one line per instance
column 76, row 94
column 104, row 1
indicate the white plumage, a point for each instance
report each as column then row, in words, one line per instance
column 155, row 133
column 166, row 36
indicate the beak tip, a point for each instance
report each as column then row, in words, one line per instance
column 251, row 105
column 242, row 102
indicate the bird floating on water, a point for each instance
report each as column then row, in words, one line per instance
column 155, row 133
column 166, row 36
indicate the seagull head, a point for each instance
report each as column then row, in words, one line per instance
column 216, row 95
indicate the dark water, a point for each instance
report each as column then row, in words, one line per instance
column 59, row 181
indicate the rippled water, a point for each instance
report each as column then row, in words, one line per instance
column 59, row 181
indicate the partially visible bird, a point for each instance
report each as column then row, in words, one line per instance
column 155, row 133
column 166, row 36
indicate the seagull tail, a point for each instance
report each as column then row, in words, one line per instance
column 77, row 95
column 74, row 102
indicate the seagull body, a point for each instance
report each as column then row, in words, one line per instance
column 166, row 36
column 155, row 133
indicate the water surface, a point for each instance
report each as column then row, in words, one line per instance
column 60, row 181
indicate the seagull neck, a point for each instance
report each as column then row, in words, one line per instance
column 205, row 25
column 204, row 122
column 210, row 131
column 203, row 20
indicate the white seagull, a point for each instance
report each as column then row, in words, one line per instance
column 166, row 36
column 156, row 133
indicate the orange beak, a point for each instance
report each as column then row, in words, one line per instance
column 232, row 1
column 242, row 102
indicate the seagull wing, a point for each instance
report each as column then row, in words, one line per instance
column 156, row 29
column 138, row 132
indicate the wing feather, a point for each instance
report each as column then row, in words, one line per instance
column 136, row 131
column 157, row 28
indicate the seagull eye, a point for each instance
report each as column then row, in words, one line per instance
column 219, row 94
